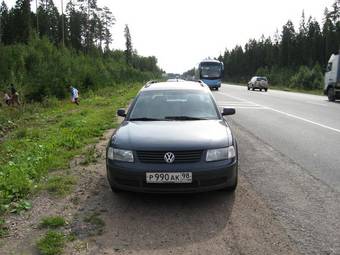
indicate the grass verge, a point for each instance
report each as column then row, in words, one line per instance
column 37, row 139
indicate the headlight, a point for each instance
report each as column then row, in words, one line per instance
column 221, row 154
column 120, row 155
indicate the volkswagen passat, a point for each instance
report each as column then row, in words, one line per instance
column 173, row 139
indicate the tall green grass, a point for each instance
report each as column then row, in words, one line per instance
column 43, row 137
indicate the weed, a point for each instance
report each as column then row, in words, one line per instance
column 95, row 220
column 60, row 185
column 22, row 205
column 90, row 156
column 52, row 222
column 21, row 133
column 52, row 243
column 3, row 228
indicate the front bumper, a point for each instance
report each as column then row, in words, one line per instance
column 206, row 176
column 212, row 83
column 260, row 86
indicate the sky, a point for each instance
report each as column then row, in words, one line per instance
column 180, row 33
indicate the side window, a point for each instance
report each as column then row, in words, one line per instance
column 329, row 67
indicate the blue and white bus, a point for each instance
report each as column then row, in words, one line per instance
column 210, row 72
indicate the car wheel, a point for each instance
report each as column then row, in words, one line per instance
column 248, row 87
column 266, row 90
column 260, row 89
column 331, row 94
column 115, row 189
column 252, row 88
column 216, row 88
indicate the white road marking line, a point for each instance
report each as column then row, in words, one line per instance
column 284, row 113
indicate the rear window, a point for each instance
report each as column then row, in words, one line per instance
column 261, row 79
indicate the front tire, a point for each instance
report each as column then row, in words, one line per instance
column 115, row 189
column 216, row 88
column 252, row 88
column 331, row 94
column 265, row 90
column 248, row 87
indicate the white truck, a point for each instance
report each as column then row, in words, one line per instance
column 332, row 78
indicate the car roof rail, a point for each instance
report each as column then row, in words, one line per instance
column 149, row 83
column 201, row 82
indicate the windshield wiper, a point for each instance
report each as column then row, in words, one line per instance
column 183, row 118
column 144, row 119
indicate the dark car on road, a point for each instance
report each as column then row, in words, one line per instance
column 173, row 139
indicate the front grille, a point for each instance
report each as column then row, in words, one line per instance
column 157, row 157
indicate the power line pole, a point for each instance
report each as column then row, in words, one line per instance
column 62, row 23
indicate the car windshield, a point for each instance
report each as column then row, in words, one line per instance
column 261, row 79
column 210, row 70
column 174, row 105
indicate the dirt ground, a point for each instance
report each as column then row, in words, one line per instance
column 128, row 223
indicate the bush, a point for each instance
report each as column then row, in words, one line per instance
column 307, row 78
column 40, row 69
column 304, row 78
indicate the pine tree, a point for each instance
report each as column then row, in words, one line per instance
column 22, row 21
column 74, row 23
column 3, row 19
column 128, row 44
column 107, row 20
column 49, row 20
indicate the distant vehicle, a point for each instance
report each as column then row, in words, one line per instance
column 332, row 78
column 210, row 72
column 173, row 139
column 258, row 82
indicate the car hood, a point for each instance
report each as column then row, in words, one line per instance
column 172, row 135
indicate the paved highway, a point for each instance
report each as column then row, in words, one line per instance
column 290, row 153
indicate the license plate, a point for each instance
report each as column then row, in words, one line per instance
column 162, row 177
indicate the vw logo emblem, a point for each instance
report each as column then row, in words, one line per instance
column 169, row 157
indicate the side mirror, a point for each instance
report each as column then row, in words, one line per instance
column 228, row 111
column 121, row 113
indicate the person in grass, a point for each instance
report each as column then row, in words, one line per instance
column 74, row 95
column 14, row 95
column 7, row 98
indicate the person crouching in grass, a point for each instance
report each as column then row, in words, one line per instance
column 74, row 95
column 7, row 98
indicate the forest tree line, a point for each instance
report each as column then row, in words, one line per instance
column 296, row 57
column 43, row 52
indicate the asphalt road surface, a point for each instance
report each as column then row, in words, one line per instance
column 290, row 153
